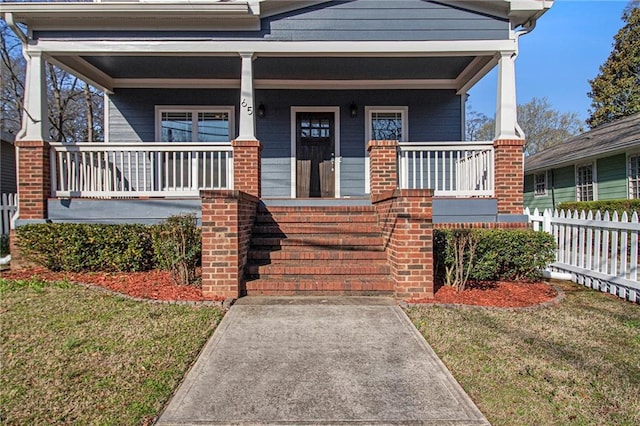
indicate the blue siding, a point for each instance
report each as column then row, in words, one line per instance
column 132, row 111
column 434, row 115
column 346, row 20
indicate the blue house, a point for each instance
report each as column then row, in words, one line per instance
column 286, row 101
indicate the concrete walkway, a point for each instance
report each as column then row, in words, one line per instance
column 319, row 361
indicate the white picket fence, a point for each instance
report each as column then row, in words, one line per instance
column 8, row 208
column 599, row 250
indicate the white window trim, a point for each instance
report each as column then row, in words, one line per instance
column 628, row 164
column 368, row 110
column 194, row 109
column 546, row 184
column 594, row 179
column 336, row 122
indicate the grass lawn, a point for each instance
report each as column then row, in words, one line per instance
column 577, row 363
column 70, row 355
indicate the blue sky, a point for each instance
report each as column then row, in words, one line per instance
column 559, row 57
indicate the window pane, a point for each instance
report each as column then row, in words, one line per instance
column 213, row 127
column 540, row 184
column 176, row 127
column 584, row 183
column 634, row 176
column 386, row 126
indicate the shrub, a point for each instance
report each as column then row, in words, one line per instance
column 496, row 254
column 84, row 247
column 177, row 247
column 611, row 206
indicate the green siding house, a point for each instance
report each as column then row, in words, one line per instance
column 602, row 164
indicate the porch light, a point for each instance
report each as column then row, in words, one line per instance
column 353, row 109
column 261, row 110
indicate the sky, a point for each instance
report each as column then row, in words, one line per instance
column 559, row 57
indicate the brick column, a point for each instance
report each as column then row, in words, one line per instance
column 227, row 220
column 247, row 164
column 34, row 179
column 383, row 167
column 406, row 219
column 509, row 175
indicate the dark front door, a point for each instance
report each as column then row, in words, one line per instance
column 315, row 154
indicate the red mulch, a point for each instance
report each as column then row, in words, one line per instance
column 155, row 285
column 496, row 294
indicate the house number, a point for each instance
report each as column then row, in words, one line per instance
column 246, row 106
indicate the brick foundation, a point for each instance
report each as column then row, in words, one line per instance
column 227, row 220
column 247, row 167
column 34, row 179
column 405, row 217
column 509, row 175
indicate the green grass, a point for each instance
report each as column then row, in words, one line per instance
column 577, row 363
column 70, row 355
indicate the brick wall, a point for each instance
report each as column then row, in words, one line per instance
column 247, row 165
column 34, row 179
column 509, row 175
column 227, row 220
column 405, row 217
column 383, row 161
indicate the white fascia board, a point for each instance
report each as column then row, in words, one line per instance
column 135, row 15
column 85, row 71
column 275, row 48
column 474, row 73
column 203, row 83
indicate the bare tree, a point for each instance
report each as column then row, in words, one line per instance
column 75, row 108
column 543, row 125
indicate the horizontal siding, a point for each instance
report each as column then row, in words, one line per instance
column 561, row 188
column 612, row 177
column 7, row 168
column 132, row 111
column 346, row 20
column 434, row 115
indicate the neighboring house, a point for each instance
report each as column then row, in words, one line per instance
column 7, row 164
column 601, row 164
column 310, row 111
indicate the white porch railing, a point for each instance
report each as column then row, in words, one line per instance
column 457, row 169
column 599, row 250
column 139, row 169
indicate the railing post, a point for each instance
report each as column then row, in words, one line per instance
column 34, row 179
column 383, row 157
column 247, row 166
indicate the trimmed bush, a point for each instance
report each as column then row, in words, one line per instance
column 87, row 247
column 177, row 247
column 491, row 254
column 611, row 206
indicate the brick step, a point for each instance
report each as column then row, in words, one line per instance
column 316, row 218
column 312, row 209
column 316, row 228
column 324, row 241
column 333, row 267
column 314, row 254
column 326, row 285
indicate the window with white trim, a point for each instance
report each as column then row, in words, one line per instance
column 584, row 182
column 384, row 123
column 634, row 176
column 540, row 184
column 194, row 124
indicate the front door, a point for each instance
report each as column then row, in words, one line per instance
column 315, row 154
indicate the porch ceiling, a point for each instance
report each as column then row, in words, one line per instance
column 447, row 72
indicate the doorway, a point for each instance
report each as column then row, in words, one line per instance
column 316, row 156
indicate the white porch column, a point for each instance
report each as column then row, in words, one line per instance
column 35, row 119
column 247, row 108
column 506, row 109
